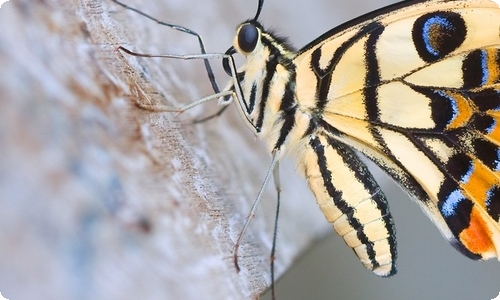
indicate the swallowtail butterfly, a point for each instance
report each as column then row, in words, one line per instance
column 414, row 86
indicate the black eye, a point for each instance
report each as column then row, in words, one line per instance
column 247, row 37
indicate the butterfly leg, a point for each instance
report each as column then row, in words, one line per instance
column 251, row 214
column 277, row 185
column 208, row 67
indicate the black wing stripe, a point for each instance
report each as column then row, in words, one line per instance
column 336, row 197
column 288, row 108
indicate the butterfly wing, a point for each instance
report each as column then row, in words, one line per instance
column 416, row 88
column 352, row 201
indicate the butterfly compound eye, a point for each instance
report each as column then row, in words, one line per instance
column 247, row 37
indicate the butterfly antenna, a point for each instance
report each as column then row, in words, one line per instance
column 208, row 67
column 259, row 9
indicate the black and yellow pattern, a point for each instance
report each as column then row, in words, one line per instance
column 416, row 88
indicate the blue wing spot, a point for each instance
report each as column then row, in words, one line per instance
column 468, row 174
column 430, row 27
column 492, row 127
column 484, row 67
column 451, row 203
column 497, row 161
column 437, row 34
column 453, row 106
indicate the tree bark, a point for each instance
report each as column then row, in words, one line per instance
column 103, row 200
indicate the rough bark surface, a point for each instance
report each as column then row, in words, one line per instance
column 102, row 200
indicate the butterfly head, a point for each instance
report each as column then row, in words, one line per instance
column 268, row 58
column 248, row 38
column 247, row 42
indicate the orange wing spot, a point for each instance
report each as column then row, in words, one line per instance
column 465, row 111
column 478, row 237
column 493, row 67
column 494, row 113
column 480, row 182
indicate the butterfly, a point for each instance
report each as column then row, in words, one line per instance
column 415, row 87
